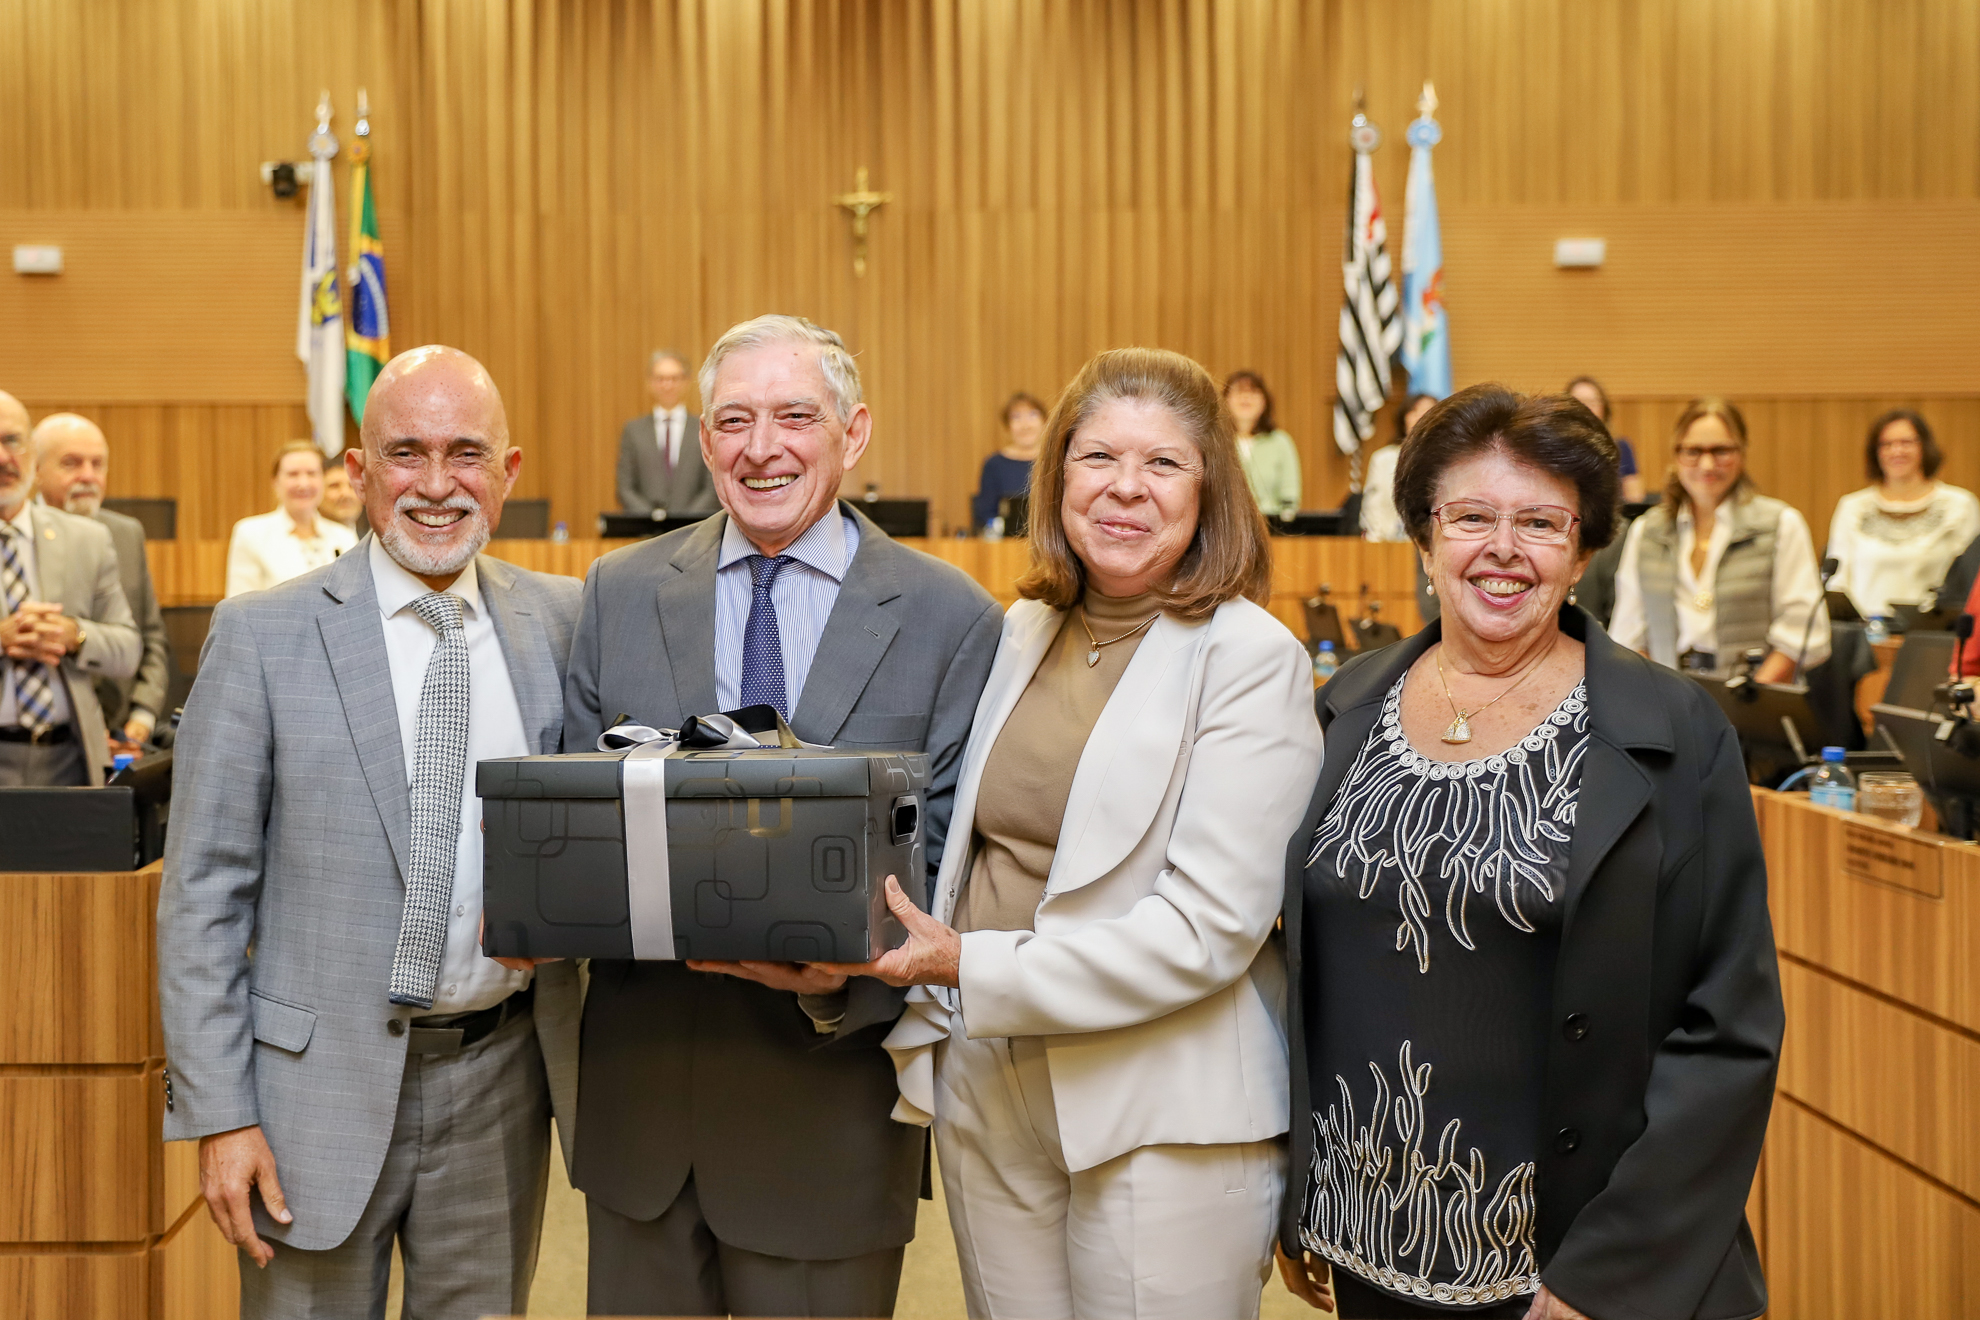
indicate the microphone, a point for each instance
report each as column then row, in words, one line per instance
column 1829, row 567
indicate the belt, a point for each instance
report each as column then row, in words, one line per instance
column 453, row 1032
column 20, row 733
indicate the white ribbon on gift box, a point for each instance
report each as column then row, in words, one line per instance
column 643, row 792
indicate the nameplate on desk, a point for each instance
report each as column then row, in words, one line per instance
column 1889, row 856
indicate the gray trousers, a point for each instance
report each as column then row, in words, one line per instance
column 674, row 1265
column 462, row 1189
column 49, row 765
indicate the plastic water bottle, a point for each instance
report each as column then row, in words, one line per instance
column 560, row 533
column 1833, row 785
column 1324, row 663
column 1876, row 629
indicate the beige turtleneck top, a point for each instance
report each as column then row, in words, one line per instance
column 1021, row 802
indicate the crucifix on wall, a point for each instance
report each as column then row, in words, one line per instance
column 861, row 202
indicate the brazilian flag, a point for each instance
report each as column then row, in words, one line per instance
column 367, row 327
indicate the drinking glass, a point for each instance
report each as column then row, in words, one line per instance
column 1890, row 796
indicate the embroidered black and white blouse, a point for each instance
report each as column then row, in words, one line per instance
column 1433, row 919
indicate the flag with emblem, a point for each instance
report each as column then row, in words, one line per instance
column 320, row 318
column 367, row 328
column 1370, row 328
column 1426, row 346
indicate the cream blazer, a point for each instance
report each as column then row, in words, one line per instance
column 1152, row 974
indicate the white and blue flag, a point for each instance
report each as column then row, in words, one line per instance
column 1426, row 341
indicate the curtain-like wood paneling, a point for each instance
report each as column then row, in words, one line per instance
column 566, row 186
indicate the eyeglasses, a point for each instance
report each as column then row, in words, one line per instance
column 1536, row 524
column 1720, row 455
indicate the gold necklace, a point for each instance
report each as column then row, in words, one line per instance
column 1093, row 644
column 1459, row 729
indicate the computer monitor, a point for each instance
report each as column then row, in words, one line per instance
column 1949, row 776
column 1778, row 730
column 617, row 525
column 525, row 520
column 1922, row 664
column 896, row 517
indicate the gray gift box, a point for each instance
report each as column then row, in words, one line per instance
column 771, row 853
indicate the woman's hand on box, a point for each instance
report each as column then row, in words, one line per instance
column 931, row 956
column 803, row 978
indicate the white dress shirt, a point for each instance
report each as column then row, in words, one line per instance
column 267, row 550
column 1797, row 590
column 803, row 593
column 10, row 715
column 468, row 981
column 670, row 426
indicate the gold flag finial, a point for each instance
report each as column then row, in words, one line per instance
column 1426, row 104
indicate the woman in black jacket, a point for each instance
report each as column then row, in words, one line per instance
column 1534, row 1006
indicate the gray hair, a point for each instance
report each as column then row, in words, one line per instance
column 660, row 355
column 834, row 362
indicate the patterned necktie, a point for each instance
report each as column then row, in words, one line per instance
column 763, row 649
column 438, row 764
column 34, row 682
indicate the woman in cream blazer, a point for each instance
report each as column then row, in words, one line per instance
column 1103, row 1053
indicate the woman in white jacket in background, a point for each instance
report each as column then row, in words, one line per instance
column 1100, row 1036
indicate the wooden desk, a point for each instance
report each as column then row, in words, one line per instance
column 1869, row 1194
column 195, row 572
column 99, row 1217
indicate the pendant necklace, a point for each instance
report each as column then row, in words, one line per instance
column 1459, row 729
column 1093, row 644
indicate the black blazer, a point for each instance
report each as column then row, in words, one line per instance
column 787, row 1132
column 1667, row 1000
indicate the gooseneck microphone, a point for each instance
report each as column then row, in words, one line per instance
column 1829, row 567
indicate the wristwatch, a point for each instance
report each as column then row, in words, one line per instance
column 82, row 635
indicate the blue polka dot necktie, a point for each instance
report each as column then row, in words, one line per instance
column 763, row 648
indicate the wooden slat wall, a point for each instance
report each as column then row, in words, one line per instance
column 565, row 186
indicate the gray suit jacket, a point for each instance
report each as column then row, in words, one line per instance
column 77, row 565
column 646, row 485
column 147, row 688
column 284, row 879
column 787, row 1132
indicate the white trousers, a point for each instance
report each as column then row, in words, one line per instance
column 1165, row 1232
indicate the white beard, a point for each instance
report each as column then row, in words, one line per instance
column 84, row 499
column 423, row 561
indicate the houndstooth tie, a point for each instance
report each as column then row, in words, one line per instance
column 763, row 647
column 439, row 761
column 34, row 682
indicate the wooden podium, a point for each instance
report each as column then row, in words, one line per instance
column 1869, row 1191
column 99, row 1217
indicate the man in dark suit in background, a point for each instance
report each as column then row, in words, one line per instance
column 660, row 463
column 734, row 1137
column 72, row 473
column 63, row 624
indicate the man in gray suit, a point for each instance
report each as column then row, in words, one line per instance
column 365, row 1070
column 72, row 470
column 660, row 461
column 734, row 1138
column 64, row 624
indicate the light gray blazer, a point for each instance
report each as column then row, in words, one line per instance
column 77, row 565
column 646, row 485
column 290, row 836
column 149, row 686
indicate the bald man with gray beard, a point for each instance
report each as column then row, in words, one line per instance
column 366, row 1077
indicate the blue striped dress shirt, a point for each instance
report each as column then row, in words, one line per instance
column 803, row 593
